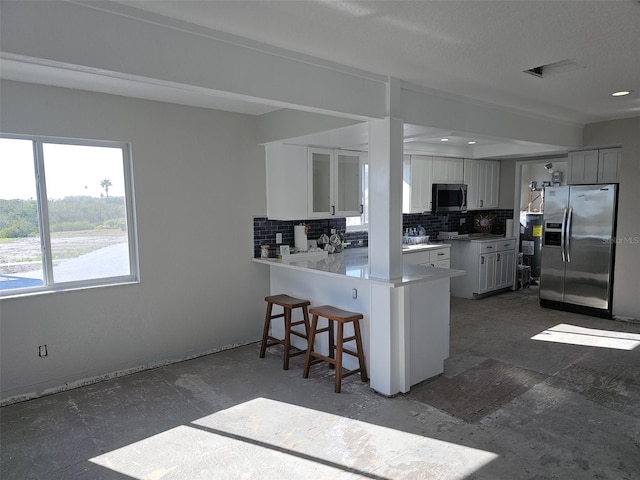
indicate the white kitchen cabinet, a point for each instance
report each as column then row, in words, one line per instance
column 588, row 167
column 334, row 183
column 433, row 256
column 489, row 263
column 447, row 170
column 420, row 172
column 286, row 172
column 483, row 183
column 609, row 165
column 486, row 273
column 307, row 182
column 505, row 269
column 417, row 183
column 583, row 167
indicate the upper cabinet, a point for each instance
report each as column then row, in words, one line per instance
column 334, row 183
column 416, row 185
column 287, row 172
column 447, row 170
column 594, row 166
column 420, row 172
column 307, row 182
column 483, row 183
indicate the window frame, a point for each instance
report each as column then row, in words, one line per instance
column 49, row 285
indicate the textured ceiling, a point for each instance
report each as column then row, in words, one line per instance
column 471, row 48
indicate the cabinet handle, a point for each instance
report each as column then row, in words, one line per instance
column 361, row 208
column 489, row 247
column 440, row 253
column 498, row 258
column 482, row 203
column 333, row 209
column 481, row 260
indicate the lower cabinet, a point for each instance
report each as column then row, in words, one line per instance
column 490, row 266
column 433, row 257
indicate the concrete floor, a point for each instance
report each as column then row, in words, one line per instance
column 507, row 407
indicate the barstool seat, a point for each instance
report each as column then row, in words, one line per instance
column 287, row 303
column 341, row 317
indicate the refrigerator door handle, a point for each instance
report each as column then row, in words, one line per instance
column 562, row 235
column 568, row 234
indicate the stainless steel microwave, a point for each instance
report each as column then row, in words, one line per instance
column 449, row 197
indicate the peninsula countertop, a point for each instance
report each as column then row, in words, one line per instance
column 354, row 263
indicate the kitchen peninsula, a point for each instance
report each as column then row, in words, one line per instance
column 419, row 342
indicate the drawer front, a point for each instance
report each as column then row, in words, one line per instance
column 488, row 247
column 442, row 264
column 506, row 244
column 416, row 258
column 440, row 254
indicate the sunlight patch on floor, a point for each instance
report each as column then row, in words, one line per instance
column 590, row 337
column 268, row 439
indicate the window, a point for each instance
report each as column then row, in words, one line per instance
column 361, row 222
column 66, row 215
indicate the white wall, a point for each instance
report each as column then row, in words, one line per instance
column 199, row 180
column 625, row 133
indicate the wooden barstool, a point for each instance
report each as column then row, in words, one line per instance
column 288, row 304
column 333, row 314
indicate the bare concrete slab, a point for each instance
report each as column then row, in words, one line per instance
column 509, row 407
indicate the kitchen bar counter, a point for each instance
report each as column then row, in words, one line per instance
column 354, row 263
column 406, row 321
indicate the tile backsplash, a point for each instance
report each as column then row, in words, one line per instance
column 264, row 230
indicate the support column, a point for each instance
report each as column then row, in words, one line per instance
column 385, row 197
column 389, row 316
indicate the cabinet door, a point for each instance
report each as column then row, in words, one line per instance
column 420, row 183
column 348, row 183
column 320, row 183
column 472, row 180
column 487, row 273
column 609, row 165
column 492, row 183
column 509, row 267
column 583, row 167
column 447, row 170
column 505, row 269
column 287, row 172
column 483, row 183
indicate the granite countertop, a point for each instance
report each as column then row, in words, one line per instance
column 354, row 263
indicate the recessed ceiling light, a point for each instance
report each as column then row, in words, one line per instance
column 472, row 142
column 444, row 139
column 621, row 93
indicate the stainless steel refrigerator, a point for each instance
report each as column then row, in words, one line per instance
column 578, row 248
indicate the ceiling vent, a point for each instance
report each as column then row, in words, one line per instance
column 554, row 68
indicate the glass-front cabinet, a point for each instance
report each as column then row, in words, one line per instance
column 334, row 183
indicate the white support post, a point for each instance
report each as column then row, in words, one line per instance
column 389, row 316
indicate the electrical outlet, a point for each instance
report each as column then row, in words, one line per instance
column 278, row 238
column 42, row 351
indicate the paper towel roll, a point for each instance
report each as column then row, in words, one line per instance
column 508, row 229
column 300, row 237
